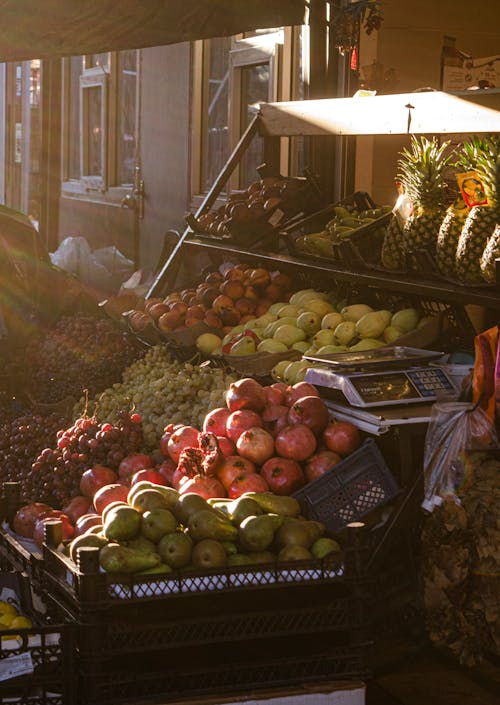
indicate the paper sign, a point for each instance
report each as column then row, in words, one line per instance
column 14, row 666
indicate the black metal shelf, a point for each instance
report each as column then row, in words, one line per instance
column 438, row 290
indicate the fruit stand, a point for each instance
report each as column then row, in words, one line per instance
column 297, row 548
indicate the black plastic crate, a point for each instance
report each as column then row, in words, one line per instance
column 356, row 486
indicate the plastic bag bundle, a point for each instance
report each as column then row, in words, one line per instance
column 455, row 428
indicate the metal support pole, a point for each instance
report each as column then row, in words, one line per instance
column 50, row 162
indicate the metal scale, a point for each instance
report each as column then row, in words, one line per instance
column 380, row 388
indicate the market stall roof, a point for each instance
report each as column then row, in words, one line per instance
column 429, row 112
column 44, row 29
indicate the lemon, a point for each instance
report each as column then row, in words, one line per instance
column 7, row 608
column 6, row 621
column 21, row 623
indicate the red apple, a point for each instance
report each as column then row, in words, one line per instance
column 283, row 475
column 215, row 421
column 246, row 393
column 108, row 494
column 240, row 421
column 133, row 463
column 68, row 530
column 96, row 477
column 183, row 437
column 320, row 463
column 77, row 507
column 295, row 442
column 148, row 474
column 275, row 418
column 342, row 437
column 226, row 446
column 310, row 411
column 27, row 516
column 301, row 389
column 247, row 482
column 204, row 485
column 86, row 521
column 256, row 445
column 232, row 467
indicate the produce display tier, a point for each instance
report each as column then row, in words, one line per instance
column 488, row 296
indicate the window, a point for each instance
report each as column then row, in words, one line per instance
column 231, row 77
column 100, row 119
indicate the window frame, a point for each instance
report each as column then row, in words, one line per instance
column 97, row 189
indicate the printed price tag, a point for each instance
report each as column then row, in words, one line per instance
column 14, row 666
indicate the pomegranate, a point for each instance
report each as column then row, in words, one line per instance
column 310, row 411
column 275, row 418
column 342, row 437
column 133, row 463
column 283, row 475
column 247, row 482
column 226, row 446
column 215, row 421
column 246, row 393
column 148, row 474
column 77, row 507
column 256, row 445
column 183, row 437
column 96, row 477
column 204, row 485
column 27, row 516
column 275, row 394
column 232, row 467
column 301, row 389
column 108, row 494
column 319, row 463
column 68, row 530
column 240, row 421
column 296, row 442
column 167, row 469
column 86, row 521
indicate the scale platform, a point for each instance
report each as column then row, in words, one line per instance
column 379, row 378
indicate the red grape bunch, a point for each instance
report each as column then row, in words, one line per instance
column 55, row 474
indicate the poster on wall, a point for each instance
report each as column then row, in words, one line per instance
column 461, row 72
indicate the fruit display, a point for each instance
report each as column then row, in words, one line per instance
column 347, row 221
column 162, row 390
column 226, row 297
column 253, row 210
column 157, row 530
column 79, row 352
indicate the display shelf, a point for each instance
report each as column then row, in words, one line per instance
column 488, row 296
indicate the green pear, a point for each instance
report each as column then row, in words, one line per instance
column 209, row 553
column 324, row 546
column 271, row 346
column 206, row 524
column 324, row 337
column 274, row 308
column 187, row 505
column 243, row 507
column 271, row 328
column 259, row 557
column 256, row 533
column 355, row 311
column 309, row 321
column 85, row 540
column 278, row 371
column 301, row 346
column 265, row 319
column 230, row 548
column 122, row 524
column 332, row 349
column 168, row 493
column 294, row 552
column 148, row 499
column 295, row 372
column 331, row 320
column 157, row 523
column 294, row 531
column 236, row 559
column 115, row 558
column 159, row 569
column 289, row 334
column 367, row 344
column 345, row 332
column 288, row 310
column 175, row 549
column 318, row 306
column 282, row 505
column 391, row 333
column 141, row 543
column 243, row 346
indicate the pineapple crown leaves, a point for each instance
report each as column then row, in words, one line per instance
column 487, row 167
column 422, row 172
column 467, row 156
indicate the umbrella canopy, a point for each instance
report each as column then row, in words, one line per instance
column 44, row 29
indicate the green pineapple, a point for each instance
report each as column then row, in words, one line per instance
column 393, row 256
column 422, row 175
column 453, row 222
column 490, row 254
column 481, row 220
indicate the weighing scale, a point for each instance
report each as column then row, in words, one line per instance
column 381, row 377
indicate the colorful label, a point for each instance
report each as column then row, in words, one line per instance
column 472, row 189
